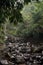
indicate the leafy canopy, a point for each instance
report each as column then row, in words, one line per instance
column 11, row 9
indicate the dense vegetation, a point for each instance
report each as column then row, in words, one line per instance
column 22, row 18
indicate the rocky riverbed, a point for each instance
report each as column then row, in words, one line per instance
column 21, row 54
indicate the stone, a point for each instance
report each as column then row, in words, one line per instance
column 19, row 59
column 4, row 62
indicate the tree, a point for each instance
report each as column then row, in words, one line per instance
column 10, row 11
column 33, row 21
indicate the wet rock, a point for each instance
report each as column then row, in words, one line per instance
column 4, row 62
column 19, row 59
column 28, row 50
column 23, row 49
column 27, row 57
column 38, row 58
column 34, row 62
column 11, row 63
column 28, row 63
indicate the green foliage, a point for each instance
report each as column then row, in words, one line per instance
column 26, row 14
column 9, row 8
column 33, row 20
